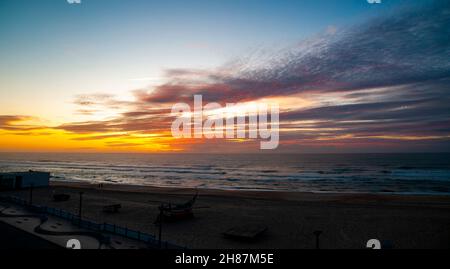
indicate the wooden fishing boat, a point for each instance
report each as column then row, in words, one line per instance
column 174, row 212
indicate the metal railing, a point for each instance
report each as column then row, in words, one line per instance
column 149, row 239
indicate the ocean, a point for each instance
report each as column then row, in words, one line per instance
column 319, row 173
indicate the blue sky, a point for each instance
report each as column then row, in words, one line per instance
column 179, row 30
column 99, row 45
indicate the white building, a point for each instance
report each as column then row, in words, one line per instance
column 20, row 180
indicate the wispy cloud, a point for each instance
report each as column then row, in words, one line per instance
column 18, row 123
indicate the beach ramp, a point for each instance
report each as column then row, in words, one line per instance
column 47, row 227
column 246, row 232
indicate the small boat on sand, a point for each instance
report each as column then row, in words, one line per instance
column 175, row 212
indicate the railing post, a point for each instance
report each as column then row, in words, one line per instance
column 31, row 194
column 160, row 225
column 81, row 204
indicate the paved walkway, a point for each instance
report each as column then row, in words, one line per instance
column 59, row 231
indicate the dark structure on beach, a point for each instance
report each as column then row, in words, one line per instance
column 22, row 180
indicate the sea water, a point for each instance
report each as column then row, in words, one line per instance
column 337, row 173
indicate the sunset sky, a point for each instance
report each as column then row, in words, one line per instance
column 102, row 76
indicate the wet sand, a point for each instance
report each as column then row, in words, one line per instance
column 346, row 220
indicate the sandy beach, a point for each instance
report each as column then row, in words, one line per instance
column 346, row 220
